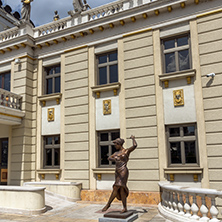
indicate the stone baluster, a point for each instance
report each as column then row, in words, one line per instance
column 213, row 210
column 187, row 206
column 181, row 204
column 170, row 201
column 195, row 208
column 204, row 210
column 167, row 199
column 175, row 202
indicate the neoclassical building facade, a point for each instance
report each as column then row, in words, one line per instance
column 147, row 68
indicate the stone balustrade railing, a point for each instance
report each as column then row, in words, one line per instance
column 184, row 204
column 9, row 99
column 9, row 34
column 75, row 19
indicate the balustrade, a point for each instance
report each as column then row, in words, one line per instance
column 180, row 203
column 9, row 99
column 9, row 34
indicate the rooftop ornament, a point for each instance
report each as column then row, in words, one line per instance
column 79, row 7
column 25, row 12
column 56, row 16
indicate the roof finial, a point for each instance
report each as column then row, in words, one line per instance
column 56, row 16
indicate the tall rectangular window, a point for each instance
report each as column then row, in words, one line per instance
column 107, row 65
column 52, row 79
column 52, row 151
column 182, row 145
column 176, row 53
column 5, row 81
column 106, row 147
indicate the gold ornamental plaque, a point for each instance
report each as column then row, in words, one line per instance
column 178, row 97
column 51, row 114
column 107, row 107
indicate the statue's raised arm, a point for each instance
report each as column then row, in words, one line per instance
column 26, row 10
column 79, row 6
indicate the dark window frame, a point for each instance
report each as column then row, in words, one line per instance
column 106, row 64
column 182, row 139
column 52, row 147
column 52, row 76
column 2, row 80
column 108, row 143
column 176, row 49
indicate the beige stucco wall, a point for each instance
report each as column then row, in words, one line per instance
column 23, row 139
column 76, row 148
column 210, row 48
column 141, row 111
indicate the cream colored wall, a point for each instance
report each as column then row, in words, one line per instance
column 140, row 102
column 210, row 48
column 76, row 105
column 23, row 141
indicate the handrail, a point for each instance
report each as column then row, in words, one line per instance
column 180, row 203
column 9, row 99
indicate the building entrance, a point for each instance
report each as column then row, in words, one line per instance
column 4, row 161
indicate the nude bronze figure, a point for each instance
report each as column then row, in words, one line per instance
column 121, row 157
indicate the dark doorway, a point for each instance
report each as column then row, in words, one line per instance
column 4, row 161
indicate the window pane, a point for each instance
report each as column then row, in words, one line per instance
column 7, row 79
column 49, row 86
column 169, row 44
column 190, row 152
column 102, row 75
column 170, row 62
column 1, row 86
column 175, row 152
column 113, row 72
column 113, row 57
column 49, row 71
column 48, row 140
column 104, row 155
column 189, row 130
column 182, row 41
column 115, row 135
column 102, row 59
column 57, row 140
column 57, row 157
column 57, row 69
column 4, row 158
column 48, row 157
column 104, row 137
column 184, row 62
column 57, row 84
column 174, row 132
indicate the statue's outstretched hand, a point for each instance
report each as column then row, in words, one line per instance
column 132, row 137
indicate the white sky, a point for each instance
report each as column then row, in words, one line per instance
column 42, row 11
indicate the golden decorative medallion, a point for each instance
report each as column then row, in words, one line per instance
column 178, row 97
column 51, row 115
column 107, row 107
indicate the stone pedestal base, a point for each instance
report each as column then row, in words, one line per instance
column 116, row 216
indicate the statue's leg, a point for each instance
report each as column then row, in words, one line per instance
column 111, row 198
column 123, row 198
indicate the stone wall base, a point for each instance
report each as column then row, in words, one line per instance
column 135, row 197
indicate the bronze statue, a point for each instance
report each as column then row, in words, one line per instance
column 121, row 157
column 26, row 9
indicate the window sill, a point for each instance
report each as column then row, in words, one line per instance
column 103, row 170
column 48, row 97
column 42, row 172
column 107, row 87
column 183, row 170
column 178, row 75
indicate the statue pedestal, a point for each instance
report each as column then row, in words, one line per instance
column 116, row 216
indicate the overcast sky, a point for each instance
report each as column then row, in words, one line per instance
column 43, row 10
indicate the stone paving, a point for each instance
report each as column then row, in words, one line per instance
column 63, row 211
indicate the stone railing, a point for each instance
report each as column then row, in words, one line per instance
column 184, row 204
column 51, row 27
column 9, row 99
column 9, row 34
